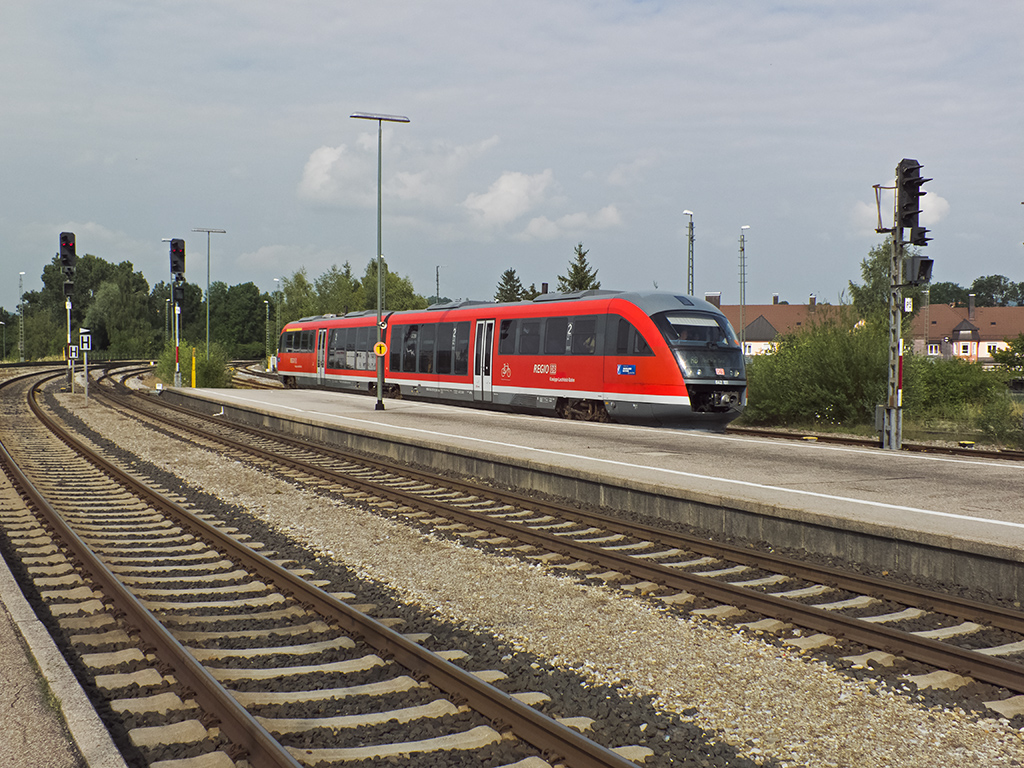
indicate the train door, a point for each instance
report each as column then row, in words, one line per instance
column 482, row 357
column 321, row 355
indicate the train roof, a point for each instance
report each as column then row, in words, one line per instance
column 651, row 302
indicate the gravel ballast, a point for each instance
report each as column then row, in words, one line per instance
column 770, row 703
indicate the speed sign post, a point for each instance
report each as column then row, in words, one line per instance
column 85, row 342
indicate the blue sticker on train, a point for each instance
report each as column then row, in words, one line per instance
column 627, row 370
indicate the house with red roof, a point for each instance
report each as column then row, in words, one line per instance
column 938, row 330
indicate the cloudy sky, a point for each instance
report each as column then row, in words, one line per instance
column 535, row 125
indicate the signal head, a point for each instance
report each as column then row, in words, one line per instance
column 908, row 192
column 178, row 258
column 67, row 252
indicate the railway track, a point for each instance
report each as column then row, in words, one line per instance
column 972, row 639
column 206, row 649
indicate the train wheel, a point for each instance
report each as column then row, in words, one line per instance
column 583, row 410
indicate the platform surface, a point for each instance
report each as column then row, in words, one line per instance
column 909, row 494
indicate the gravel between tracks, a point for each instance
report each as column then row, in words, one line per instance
column 767, row 701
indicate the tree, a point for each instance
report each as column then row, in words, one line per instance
column 831, row 371
column 8, row 332
column 1011, row 359
column 581, row 277
column 996, row 291
column 947, row 293
column 509, row 288
column 337, row 291
column 118, row 315
column 238, row 319
column 872, row 298
column 398, row 291
column 299, row 297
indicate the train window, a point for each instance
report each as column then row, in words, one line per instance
column 529, row 337
column 363, row 348
column 395, row 348
column 461, row 349
column 626, row 340
column 507, row 338
column 691, row 328
column 445, row 346
column 555, row 333
column 426, row 356
column 412, row 333
column 286, row 341
column 335, row 347
column 308, row 337
column 583, row 335
column 350, row 348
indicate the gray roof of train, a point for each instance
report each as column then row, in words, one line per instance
column 650, row 302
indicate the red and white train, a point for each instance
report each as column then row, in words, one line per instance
column 656, row 358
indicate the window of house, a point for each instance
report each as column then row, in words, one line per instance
column 933, row 349
column 965, row 349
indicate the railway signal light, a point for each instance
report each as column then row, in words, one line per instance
column 178, row 258
column 919, row 270
column 909, row 193
column 178, row 293
column 919, row 236
column 67, row 252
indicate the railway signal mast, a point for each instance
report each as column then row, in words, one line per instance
column 178, row 296
column 68, row 258
column 902, row 272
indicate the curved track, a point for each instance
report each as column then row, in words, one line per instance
column 240, row 654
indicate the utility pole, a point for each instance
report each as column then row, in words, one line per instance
column 689, row 254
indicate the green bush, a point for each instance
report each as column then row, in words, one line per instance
column 943, row 389
column 209, row 373
column 831, row 372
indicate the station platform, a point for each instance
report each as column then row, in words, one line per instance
column 958, row 520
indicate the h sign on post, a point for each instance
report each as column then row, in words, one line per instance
column 85, row 342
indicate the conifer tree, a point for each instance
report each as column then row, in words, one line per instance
column 581, row 277
column 509, row 288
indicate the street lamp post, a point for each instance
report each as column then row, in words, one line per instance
column 381, row 119
column 743, row 288
column 4, row 355
column 208, row 233
column 266, row 333
column 689, row 254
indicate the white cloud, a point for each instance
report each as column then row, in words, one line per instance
column 333, row 175
column 511, row 196
column 626, row 174
column 933, row 209
column 284, row 260
column 542, row 228
column 425, row 176
column 865, row 216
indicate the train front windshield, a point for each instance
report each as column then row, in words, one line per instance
column 704, row 345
